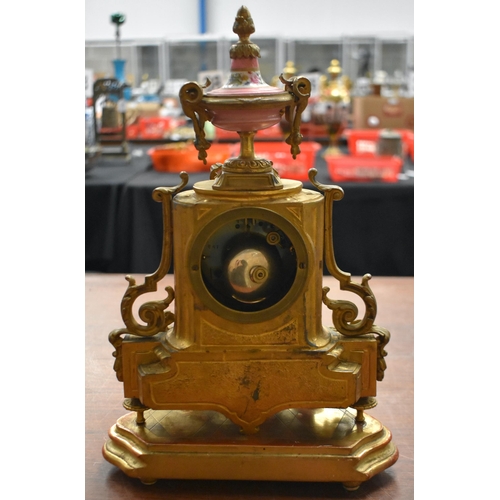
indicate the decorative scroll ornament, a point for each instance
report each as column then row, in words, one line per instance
column 300, row 89
column 243, row 165
column 191, row 97
column 248, row 340
column 383, row 337
column 215, row 170
column 246, row 104
column 344, row 312
column 152, row 313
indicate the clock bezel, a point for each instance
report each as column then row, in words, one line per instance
column 301, row 271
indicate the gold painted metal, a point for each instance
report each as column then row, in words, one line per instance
column 336, row 87
column 292, row 445
column 291, row 103
column 243, row 380
column 134, row 404
column 289, row 71
column 244, row 26
column 334, row 103
column 201, row 108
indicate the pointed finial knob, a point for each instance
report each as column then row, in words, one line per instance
column 243, row 26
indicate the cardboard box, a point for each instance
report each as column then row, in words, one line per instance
column 378, row 112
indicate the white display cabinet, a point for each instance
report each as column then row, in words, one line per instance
column 313, row 55
column 272, row 56
column 144, row 59
column 372, row 58
column 184, row 58
column 361, row 57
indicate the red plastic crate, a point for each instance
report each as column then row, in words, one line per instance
column 154, row 127
column 363, row 142
column 132, row 131
column 176, row 157
column 313, row 130
column 364, row 168
column 410, row 141
column 283, row 162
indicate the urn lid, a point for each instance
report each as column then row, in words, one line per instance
column 244, row 77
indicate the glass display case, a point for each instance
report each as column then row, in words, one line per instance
column 393, row 57
column 313, row 55
column 184, row 58
column 144, row 59
column 272, row 58
column 150, row 61
column 387, row 61
column 99, row 57
column 360, row 57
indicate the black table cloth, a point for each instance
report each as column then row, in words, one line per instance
column 372, row 224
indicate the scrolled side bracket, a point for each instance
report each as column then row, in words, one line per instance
column 154, row 313
column 300, row 89
column 191, row 98
column 344, row 313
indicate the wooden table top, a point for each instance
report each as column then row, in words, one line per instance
column 104, row 396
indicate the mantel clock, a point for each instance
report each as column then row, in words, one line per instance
column 242, row 380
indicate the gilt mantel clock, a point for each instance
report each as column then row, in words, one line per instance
column 232, row 375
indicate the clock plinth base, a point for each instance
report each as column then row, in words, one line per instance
column 322, row 445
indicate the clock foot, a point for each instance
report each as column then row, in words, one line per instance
column 351, row 486
column 135, row 405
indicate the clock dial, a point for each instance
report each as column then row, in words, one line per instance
column 248, row 264
column 248, row 261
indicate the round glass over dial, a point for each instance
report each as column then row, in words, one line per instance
column 248, row 261
column 248, row 264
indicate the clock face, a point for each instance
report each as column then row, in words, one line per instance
column 250, row 263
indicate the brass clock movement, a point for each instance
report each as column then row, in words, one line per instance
column 241, row 380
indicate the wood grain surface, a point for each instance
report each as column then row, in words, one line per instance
column 103, row 400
